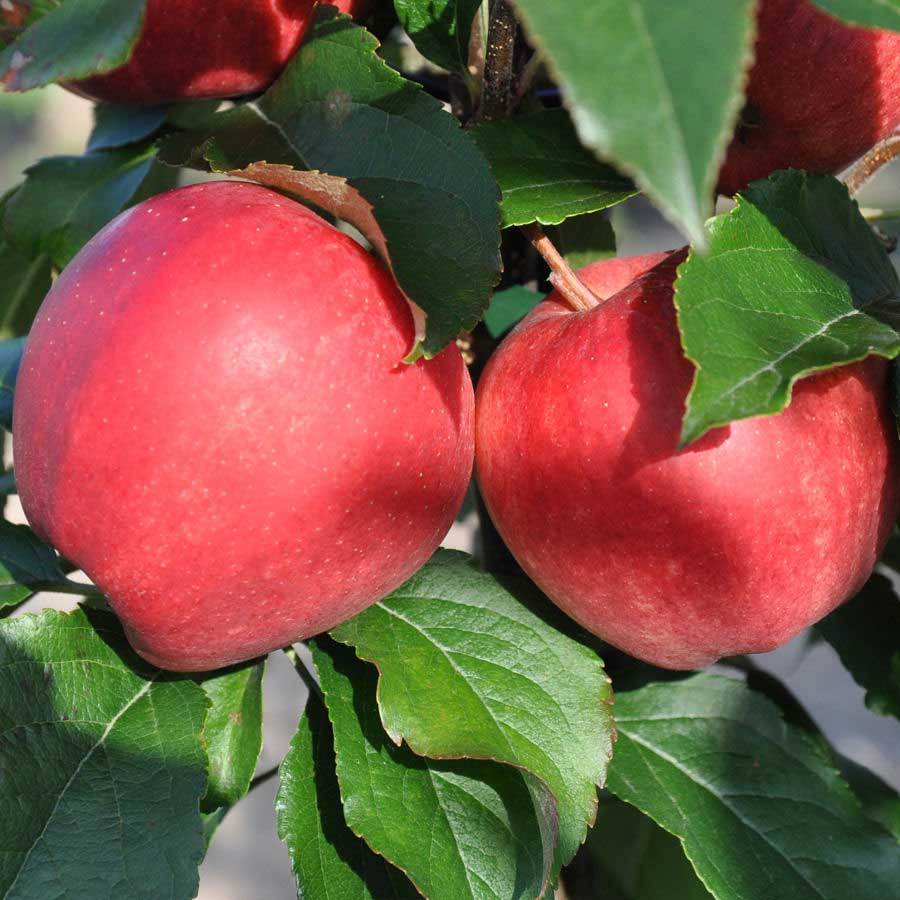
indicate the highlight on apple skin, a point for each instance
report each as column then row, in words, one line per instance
column 820, row 94
column 208, row 48
column 730, row 546
column 212, row 419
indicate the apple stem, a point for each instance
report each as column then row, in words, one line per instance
column 562, row 276
column 880, row 155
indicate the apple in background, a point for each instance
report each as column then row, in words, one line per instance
column 820, row 94
column 192, row 49
column 731, row 546
column 213, row 421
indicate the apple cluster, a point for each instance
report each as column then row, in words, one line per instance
column 214, row 421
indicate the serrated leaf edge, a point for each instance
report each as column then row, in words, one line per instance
column 691, row 434
column 694, row 224
column 815, row 747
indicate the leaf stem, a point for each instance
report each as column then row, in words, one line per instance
column 880, row 155
column 576, row 293
column 306, row 676
column 262, row 778
column 64, row 587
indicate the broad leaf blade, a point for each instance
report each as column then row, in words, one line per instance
column 116, row 125
column 341, row 129
column 74, row 39
column 466, row 830
column 544, row 173
column 791, row 285
column 635, row 859
column 102, row 768
column 327, row 858
column 653, row 86
column 232, row 733
column 27, row 564
column 880, row 801
column 508, row 307
column 10, row 360
column 65, row 200
column 585, row 239
column 24, row 282
column 872, row 13
column 440, row 29
column 757, row 804
column 469, row 670
column 865, row 632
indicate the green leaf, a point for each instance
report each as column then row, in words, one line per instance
column 27, row 564
column 874, row 13
column 342, row 130
column 584, row 239
column 880, row 801
column 211, row 822
column 653, row 86
column 544, row 173
column 66, row 200
column 232, row 733
column 465, row 830
column 101, row 766
column 440, row 29
column 74, row 39
column 865, row 632
column 117, row 125
column 757, row 804
column 10, row 360
column 790, row 285
column 469, row 669
column 327, row 858
column 635, row 859
column 24, row 282
column 508, row 307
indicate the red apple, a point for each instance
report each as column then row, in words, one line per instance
column 730, row 546
column 191, row 49
column 819, row 95
column 213, row 421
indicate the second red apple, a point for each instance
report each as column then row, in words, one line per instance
column 820, row 94
column 679, row 558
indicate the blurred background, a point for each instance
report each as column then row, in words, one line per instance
column 246, row 860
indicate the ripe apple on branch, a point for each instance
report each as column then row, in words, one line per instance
column 245, row 413
column 251, row 426
column 202, row 49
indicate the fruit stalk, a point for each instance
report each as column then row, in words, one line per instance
column 879, row 156
column 574, row 291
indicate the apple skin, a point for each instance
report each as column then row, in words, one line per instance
column 822, row 92
column 212, row 420
column 193, row 49
column 731, row 546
